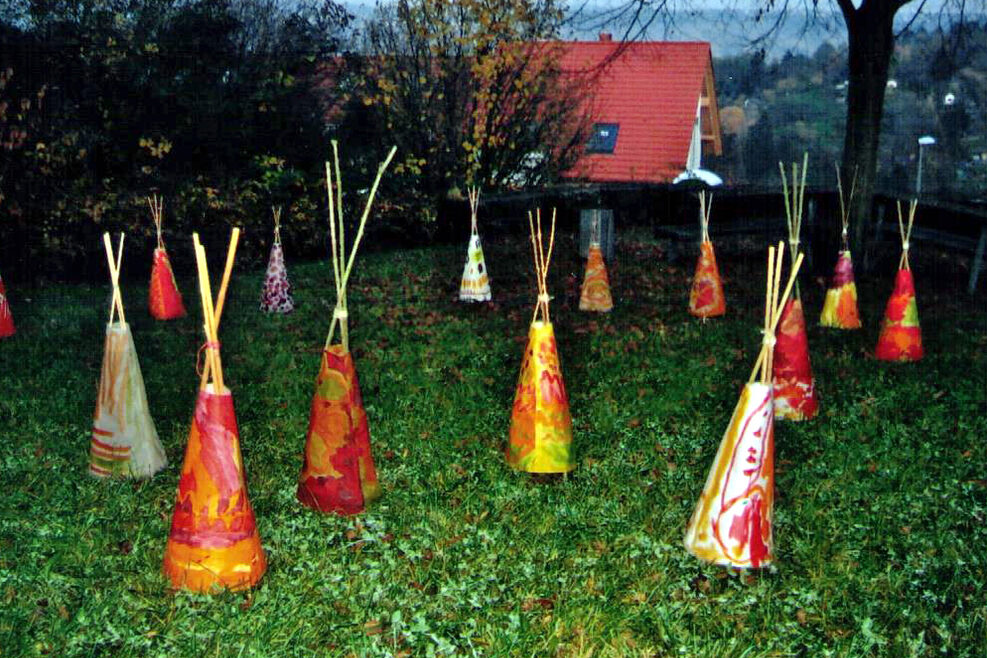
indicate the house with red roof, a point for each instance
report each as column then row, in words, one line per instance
column 651, row 108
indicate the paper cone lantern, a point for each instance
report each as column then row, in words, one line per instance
column 6, row 317
column 595, row 294
column 541, row 427
column 276, row 295
column 124, row 441
column 475, row 284
column 840, row 308
column 164, row 300
column 731, row 525
column 732, row 522
column 795, row 389
column 706, row 298
column 213, row 543
column 901, row 335
column 338, row 474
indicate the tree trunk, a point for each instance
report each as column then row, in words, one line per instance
column 871, row 45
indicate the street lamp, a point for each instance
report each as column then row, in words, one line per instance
column 924, row 140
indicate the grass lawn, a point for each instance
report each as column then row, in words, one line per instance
column 880, row 531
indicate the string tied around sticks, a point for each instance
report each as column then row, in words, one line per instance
column 905, row 245
column 340, row 313
column 769, row 340
column 208, row 345
column 544, row 298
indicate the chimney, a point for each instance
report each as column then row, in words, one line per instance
column 606, row 36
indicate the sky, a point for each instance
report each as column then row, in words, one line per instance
column 728, row 25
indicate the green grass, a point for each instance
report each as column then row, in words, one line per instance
column 879, row 522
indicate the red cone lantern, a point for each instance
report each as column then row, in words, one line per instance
column 795, row 389
column 164, row 300
column 6, row 317
column 338, row 474
column 901, row 334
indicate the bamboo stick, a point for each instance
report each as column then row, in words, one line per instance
column 773, row 308
column 343, row 267
column 116, row 303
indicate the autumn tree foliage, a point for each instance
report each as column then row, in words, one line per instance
column 471, row 92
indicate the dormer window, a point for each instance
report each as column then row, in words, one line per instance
column 603, row 138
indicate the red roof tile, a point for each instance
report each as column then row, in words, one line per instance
column 652, row 90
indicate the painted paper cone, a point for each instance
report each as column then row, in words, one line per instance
column 276, row 295
column 731, row 524
column 795, row 389
column 541, row 427
column 901, row 334
column 706, row 298
column 338, row 473
column 475, row 286
column 213, row 541
column 164, row 299
column 595, row 294
column 6, row 317
column 840, row 308
column 124, row 441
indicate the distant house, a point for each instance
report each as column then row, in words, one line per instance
column 651, row 108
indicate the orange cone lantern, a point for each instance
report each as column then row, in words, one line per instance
column 732, row 522
column 901, row 334
column 795, row 388
column 706, row 298
column 213, row 543
column 6, row 317
column 164, row 300
column 595, row 293
column 541, row 427
column 338, row 474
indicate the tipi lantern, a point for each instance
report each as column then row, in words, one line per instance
column 6, row 317
column 901, row 334
column 213, row 543
column 541, row 427
column 124, row 441
column 164, row 300
column 795, row 388
column 338, row 473
column 475, row 284
column 732, row 522
column 706, row 298
column 840, row 308
column 276, row 294
column 595, row 292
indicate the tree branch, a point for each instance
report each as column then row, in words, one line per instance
column 847, row 9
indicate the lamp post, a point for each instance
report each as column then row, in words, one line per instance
column 925, row 140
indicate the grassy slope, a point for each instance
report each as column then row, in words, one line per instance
column 880, row 531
